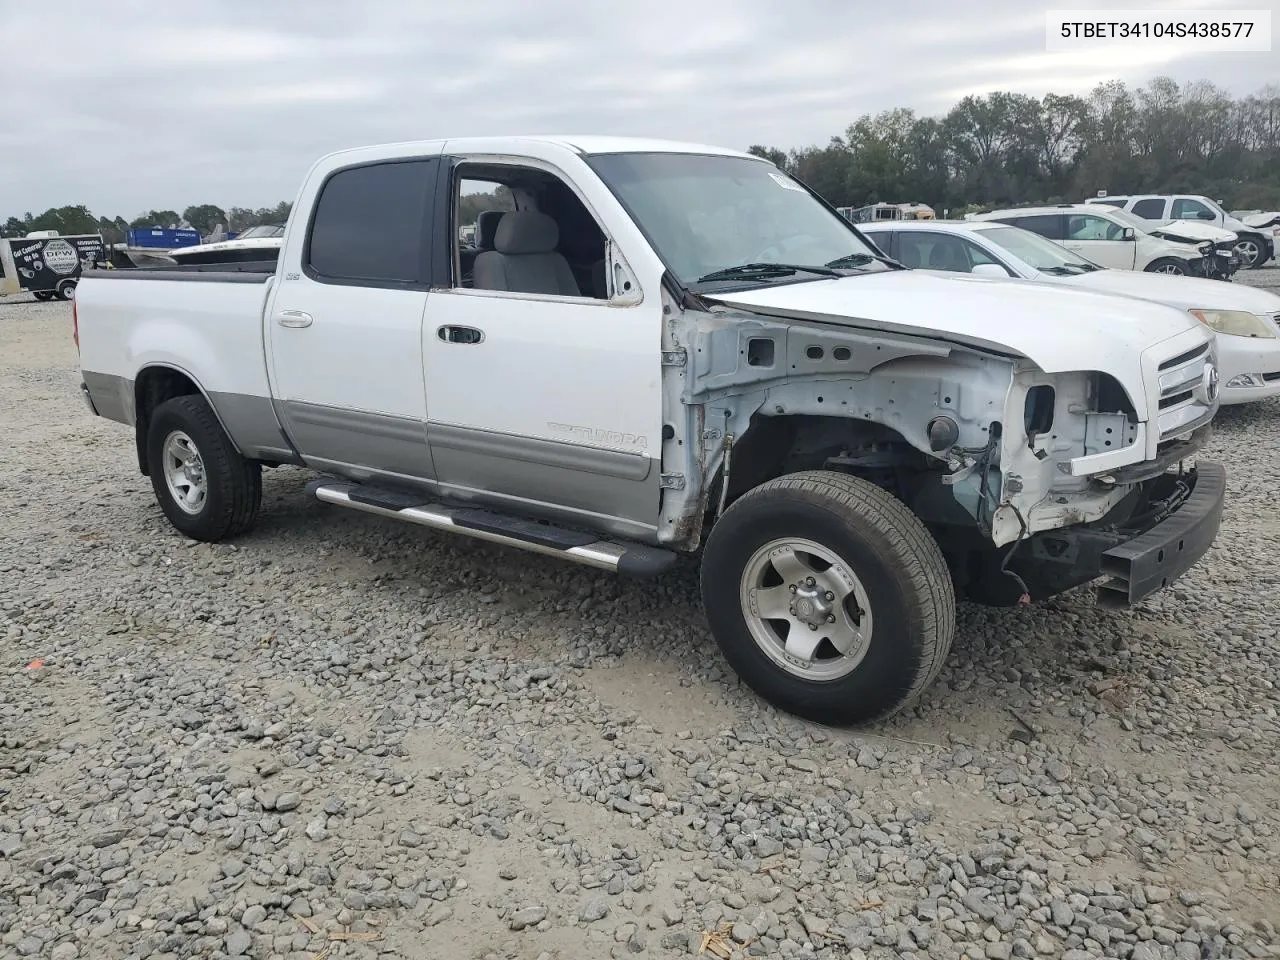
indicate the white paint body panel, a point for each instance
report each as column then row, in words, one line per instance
column 546, row 366
column 362, row 350
column 212, row 331
column 1236, row 355
column 1072, row 330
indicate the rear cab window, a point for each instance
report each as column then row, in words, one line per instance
column 371, row 225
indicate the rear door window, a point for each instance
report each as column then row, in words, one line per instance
column 370, row 225
column 1048, row 225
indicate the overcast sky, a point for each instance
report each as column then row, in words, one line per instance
column 128, row 106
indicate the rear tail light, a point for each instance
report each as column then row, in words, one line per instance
column 75, row 325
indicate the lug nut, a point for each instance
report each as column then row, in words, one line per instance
column 813, row 626
column 809, row 581
column 831, row 618
column 829, row 595
column 792, row 588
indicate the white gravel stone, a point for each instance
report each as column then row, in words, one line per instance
column 365, row 726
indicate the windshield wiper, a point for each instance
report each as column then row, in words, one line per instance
column 762, row 271
column 858, row 259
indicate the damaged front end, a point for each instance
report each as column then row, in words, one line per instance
column 986, row 448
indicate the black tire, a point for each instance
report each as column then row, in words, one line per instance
column 66, row 290
column 43, row 295
column 232, row 484
column 886, row 548
column 1170, row 265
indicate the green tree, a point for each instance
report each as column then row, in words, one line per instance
column 204, row 217
column 156, row 218
column 775, row 156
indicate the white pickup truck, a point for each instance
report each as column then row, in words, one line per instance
column 659, row 348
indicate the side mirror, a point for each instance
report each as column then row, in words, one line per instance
column 990, row 270
column 1129, row 234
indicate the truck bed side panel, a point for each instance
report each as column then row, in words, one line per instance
column 211, row 331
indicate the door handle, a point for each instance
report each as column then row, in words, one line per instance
column 450, row 334
column 294, row 318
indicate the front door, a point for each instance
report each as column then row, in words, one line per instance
column 1100, row 240
column 345, row 323
column 544, row 393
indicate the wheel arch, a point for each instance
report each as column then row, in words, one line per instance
column 774, row 445
column 154, row 384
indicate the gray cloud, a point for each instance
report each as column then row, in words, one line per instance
column 132, row 105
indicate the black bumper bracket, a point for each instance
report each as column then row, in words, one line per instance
column 1149, row 562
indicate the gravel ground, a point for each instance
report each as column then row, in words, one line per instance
column 343, row 737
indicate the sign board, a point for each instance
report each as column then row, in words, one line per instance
column 37, row 264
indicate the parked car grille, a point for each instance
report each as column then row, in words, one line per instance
column 1184, row 403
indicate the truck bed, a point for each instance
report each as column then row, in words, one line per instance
column 248, row 271
column 132, row 320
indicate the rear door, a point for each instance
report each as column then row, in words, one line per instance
column 344, row 325
column 1099, row 239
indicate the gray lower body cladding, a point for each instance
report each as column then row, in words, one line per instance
column 595, row 487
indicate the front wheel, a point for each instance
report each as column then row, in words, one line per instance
column 43, row 295
column 205, row 488
column 1170, row 265
column 828, row 597
column 1249, row 249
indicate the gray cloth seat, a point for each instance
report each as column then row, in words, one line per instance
column 947, row 256
column 524, row 258
column 487, row 227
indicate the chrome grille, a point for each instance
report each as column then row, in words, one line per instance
column 1184, row 402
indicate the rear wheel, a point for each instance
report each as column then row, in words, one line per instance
column 1170, row 265
column 206, row 489
column 828, row 597
column 66, row 289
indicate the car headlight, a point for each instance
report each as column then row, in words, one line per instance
column 1234, row 323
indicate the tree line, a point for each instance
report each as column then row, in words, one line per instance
column 1008, row 148
column 992, row 150
column 205, row 217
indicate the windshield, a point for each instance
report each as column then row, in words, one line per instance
column 257, row 233
column 1133, row 220
column 1034, row 250
column 707, row 215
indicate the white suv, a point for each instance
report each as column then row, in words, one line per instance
column 1099, row 234
column 1254, row 246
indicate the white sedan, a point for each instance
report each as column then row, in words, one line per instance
column 1246, row 319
